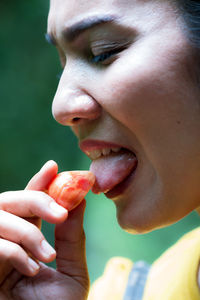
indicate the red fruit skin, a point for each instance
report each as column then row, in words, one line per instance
column 69, row 188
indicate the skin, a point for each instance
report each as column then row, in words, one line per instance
column 144, row 98
column 21, row 282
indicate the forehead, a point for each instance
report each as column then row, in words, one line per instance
column 81, row 6
column 71, row 11
column 65, row 13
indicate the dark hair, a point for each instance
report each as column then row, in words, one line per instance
column 190, row 11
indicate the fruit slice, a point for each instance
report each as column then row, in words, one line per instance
column 70, row 187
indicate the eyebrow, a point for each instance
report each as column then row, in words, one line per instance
column 73, row 32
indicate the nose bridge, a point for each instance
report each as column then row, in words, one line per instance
column 72, row 102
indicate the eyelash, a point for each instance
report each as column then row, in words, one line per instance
column 101, row 58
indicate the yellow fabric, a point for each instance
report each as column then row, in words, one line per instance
column 174, row 275
column 112, row 285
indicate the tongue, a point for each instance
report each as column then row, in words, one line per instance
column 111, row 170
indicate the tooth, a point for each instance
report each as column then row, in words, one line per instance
column 92, row 155
column 98, row 153
column 106, row 151
column 116, row 149
column 95, row 154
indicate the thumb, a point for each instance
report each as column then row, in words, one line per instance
column 40, row 180
column 70, row 246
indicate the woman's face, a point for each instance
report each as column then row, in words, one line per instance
column 128, row 94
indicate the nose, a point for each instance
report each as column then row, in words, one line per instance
column 72, row 105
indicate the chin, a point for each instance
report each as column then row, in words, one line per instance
column 134, row 224
column 139, row 220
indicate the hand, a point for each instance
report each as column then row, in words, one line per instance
column 20, row 216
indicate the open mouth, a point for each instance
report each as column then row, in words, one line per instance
column 113, row 170
column 122, row 186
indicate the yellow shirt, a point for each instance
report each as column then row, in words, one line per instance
column 112, row 285
column 172, row 277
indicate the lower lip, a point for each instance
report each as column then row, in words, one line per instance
column 120, row 188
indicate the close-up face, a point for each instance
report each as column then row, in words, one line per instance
column 129, row 94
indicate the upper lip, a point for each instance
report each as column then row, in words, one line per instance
column 93, row 148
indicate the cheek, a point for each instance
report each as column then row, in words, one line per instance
column 136, row 95
column 143, row 77
column 150, row 96
column 158, row 105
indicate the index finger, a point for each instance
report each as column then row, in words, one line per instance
column 41, row 180
column 32, row 201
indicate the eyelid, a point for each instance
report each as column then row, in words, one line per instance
column 106, row 58
column 99, row 47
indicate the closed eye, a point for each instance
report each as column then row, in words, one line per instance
column 105, row 58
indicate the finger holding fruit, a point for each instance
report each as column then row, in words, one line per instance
column 21, row 212
column 69, row 188
column 20, row 218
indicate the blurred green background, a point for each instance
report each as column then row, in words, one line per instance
column 29, row 136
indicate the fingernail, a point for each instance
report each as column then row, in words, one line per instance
column 47, row 249
column 48, row 163
column 33, row 265
column 57, row 209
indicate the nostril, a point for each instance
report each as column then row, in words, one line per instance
column 74, row 108
column 75, row 120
